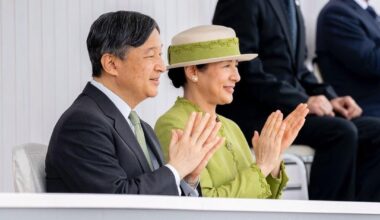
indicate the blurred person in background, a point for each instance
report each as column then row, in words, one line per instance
column 348, row 51
column 347, row 145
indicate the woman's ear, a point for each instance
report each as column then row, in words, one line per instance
column 109, row 65
column 191, row 73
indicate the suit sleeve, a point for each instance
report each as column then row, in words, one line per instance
column 313, row 87
column 87, row 161
column 349, row 44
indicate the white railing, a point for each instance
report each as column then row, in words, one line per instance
column 100, row 206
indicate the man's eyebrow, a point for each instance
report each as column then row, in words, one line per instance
column 154, row 48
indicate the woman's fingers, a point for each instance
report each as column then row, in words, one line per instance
column 298, row 114
column 294, row 125
column 255, row 140
column 300, row 120
column 276, row 125
column 302, row 110
column 295, row 115
column 214, row 143
column 271, row 125
column 197, row 120
column 268, row 121
column 200, row 127
column 189, row 125
column 209, row 152
column 204, row 128
column 208, row 130
column 266, row 132
column 299, row 125
column 299, row 117
column 291, row 116
column 174, row 139
column 279, row 136
column 214, row 132
column 268, row 146
column 179, row 133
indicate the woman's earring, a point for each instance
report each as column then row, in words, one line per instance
column 194, row 78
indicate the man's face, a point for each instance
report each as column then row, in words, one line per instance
column 139, row 72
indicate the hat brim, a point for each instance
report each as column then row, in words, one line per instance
column 240, row 58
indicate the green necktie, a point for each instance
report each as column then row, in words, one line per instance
column 139, row 133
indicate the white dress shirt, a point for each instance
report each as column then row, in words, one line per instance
column 362, row 3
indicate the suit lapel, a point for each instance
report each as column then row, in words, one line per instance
column 300, row 50
column 282, row 18
column 124, row 130
column 120, row 123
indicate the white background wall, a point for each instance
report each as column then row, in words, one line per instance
column 44, row 63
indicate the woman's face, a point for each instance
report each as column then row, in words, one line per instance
column 217, row 81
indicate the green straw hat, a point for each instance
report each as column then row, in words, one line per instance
column 205, row 44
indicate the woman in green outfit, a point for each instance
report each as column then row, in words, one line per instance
column 203, row 60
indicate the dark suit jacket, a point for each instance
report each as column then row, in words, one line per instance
column 348, row 49
column 93, row 149
column 278, row 78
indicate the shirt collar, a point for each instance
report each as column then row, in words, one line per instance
column 116, row 100
column 362, row 3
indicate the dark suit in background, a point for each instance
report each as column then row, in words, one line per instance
column 278, row 79
column 348, row 50
column 94, row 150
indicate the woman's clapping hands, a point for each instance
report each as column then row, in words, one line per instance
column 276, row 136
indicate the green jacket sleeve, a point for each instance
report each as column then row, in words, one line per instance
column 248, row 183
column 277, row 185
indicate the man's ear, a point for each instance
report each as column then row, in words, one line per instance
column 108, row 62
column 191, row 73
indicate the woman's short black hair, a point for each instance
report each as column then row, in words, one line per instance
column 178, row 77
column 115, row 32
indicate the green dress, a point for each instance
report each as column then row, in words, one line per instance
column 231, row 172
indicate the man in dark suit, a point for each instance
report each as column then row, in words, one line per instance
column 279, row 79
column 348, row 49
column 100, row 145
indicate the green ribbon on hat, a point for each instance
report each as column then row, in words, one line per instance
column 203, row 50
